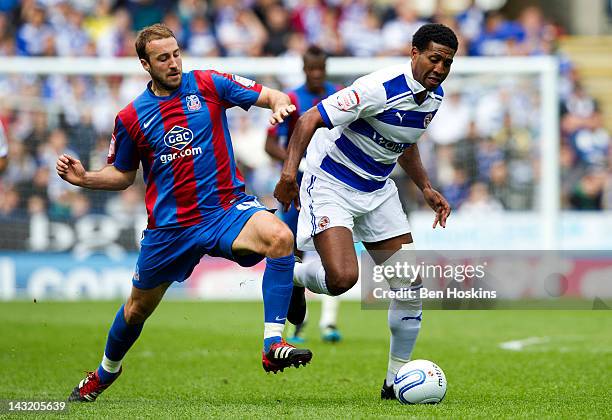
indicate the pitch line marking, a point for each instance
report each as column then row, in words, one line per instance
column 519, row 345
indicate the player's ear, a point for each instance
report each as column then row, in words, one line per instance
column 414, row 51
column 145, row 65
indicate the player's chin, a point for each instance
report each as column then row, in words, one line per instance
column 174, row 81
column 432, row 83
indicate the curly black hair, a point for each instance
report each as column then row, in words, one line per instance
column 314, row 51
column 435, row 32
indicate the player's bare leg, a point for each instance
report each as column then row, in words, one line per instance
column 404, row 314
column 338, row 270
column 124, row 331
column 265, row 234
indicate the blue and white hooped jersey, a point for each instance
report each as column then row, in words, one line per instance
column 370, row 124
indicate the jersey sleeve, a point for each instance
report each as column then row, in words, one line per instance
column 359, row 100
column 123, row 150
column 236, row 90
column 3, row 142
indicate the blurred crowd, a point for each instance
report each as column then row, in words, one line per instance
column 482, row 149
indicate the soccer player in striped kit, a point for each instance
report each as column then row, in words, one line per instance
column 315, row 89
column 346, row 194
column 196, row 204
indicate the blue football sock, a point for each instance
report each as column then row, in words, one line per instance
column 276, row 287
column 120, row 338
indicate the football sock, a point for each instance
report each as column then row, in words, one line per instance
column 276, row 287
column 404, row 323
column 311, row 275
column 329, row 311
column 120, row 338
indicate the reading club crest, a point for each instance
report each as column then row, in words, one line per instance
column 428, row 119
column 193, row 103
column 178, row 137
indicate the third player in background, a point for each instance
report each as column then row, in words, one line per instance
column 315, row 89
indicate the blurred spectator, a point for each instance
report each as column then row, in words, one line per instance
column 588, row 192
column 579, row 110
column 454, row 112
column 127, row 206
column 172, row 21
column 21, row 167
column 112, row 39
column 39, row 132
column 471, row 21
column 397, row 33
column 457, row 191
column 35, row 36
column 487, row 154
column 362, row 37
column 9, row 205
column 592, row 146
column 307, row 19
column 72, row 39
column 240, row 33
column 480, row 201
column 201, row 41
column 499, row 37
column 57, row 189
column 538, row 35
column 276, row 19
column 329, row 39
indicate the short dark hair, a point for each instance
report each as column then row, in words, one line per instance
column 151, row 33
column 434, row 32
column 314, row 51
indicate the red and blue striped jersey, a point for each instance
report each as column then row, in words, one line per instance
column 184, row 145
column 303, row 99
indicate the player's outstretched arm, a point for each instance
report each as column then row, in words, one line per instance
column 3, row 164
column 278, row 102
column 287, row 189
column 107, row 178
column 410, row 161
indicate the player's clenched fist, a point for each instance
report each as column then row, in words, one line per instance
column 287, row 191
column 70, row 169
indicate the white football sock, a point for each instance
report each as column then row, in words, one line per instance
column 311, row 275
column 404, row 323
column 111, row 366
column 329, row 311
column 273, row 329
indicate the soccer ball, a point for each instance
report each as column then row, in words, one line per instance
column 420, row 382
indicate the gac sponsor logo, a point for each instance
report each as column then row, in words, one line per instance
column 169, row 157
column 178, row 137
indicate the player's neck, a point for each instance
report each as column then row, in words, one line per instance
column 161, row 91
column 420, row 97
column 315, row 91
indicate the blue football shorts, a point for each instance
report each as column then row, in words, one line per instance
column 169, row 255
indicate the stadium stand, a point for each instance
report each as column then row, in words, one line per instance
column 487, row 163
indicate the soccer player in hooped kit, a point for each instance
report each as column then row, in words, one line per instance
column 315, row 89
column 195, row 197
column 346, row 194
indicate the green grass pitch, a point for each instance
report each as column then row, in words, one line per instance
column 203, row 359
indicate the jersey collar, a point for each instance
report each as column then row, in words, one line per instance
column 414, row 85
column 172, row 95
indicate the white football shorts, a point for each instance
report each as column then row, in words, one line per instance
column 372, row 217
